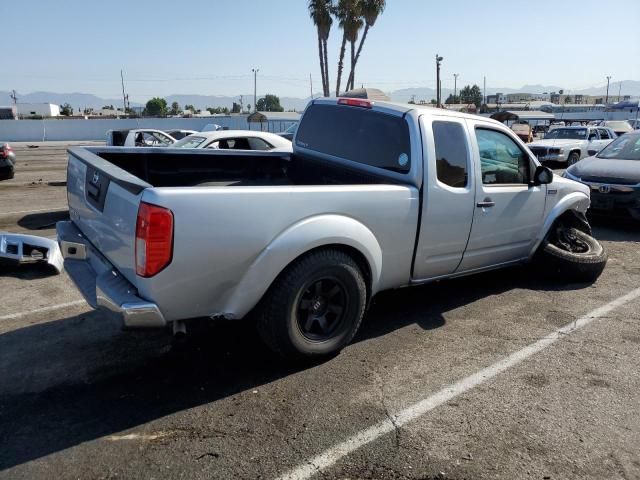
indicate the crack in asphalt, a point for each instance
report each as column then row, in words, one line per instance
column 380, row 386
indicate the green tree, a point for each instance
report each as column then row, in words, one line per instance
column 371, row 10
column 320, row 13
column 191, row 107
column 451, row 99
column 108, row 107
column 269, row 103
column 235, row 108
column 433, row 101
column 248, row 107
column 471, row 94
column 66, row 110
column 175, row 108
column 567, row 99
column 156, row 107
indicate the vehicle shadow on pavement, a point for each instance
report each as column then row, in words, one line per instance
column 81, row 378
column 40, row 221
column 614, row 229
column 26, row 271
column 426, row 305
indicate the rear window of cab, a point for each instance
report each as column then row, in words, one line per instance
column 357, row 134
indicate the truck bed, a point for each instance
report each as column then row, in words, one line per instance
column 179, row 168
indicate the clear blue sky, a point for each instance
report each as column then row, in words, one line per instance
column 209, row 47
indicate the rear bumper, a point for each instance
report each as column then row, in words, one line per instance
column 20, row 249
column 101, row 284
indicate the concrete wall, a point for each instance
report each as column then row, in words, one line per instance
column 95, row 129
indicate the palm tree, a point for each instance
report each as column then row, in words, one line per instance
column 352, row 28
column 347, row 11
column 371, row 10
column 320, row 12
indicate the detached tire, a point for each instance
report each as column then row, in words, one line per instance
column 573, row 254
column 314, row 308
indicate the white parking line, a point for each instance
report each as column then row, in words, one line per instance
column 13, row 316
column 332, row 455
column 60, row 209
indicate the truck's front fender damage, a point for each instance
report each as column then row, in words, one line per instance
column 574, row 206
column 300, row 238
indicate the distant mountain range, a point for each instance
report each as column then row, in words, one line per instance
column 84, row 100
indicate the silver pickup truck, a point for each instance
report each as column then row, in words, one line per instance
column 374, row 196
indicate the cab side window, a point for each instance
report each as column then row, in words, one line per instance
column 451, row 153
column 604, row 135
column 502, row 161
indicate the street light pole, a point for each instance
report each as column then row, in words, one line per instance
column 607, row 99
column 455, row 86
column 255, row 88
column 619, row 90
column 438, row 92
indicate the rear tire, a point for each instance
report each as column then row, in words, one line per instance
column 573, row 254
column 574, row 158
column 315, row 307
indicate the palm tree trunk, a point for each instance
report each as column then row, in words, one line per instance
column 353, row 59
column 322, row 66
column 341, row 63
column 326, row 69
column 352, row 74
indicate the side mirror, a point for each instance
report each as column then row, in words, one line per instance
column 542, row 176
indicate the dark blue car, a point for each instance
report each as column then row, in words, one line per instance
column 614, row 177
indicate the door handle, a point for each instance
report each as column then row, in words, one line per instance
column 487, row 202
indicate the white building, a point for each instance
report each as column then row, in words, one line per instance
column 38, row 109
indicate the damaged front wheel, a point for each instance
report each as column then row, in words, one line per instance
column 573, row 254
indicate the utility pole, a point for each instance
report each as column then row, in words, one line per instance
column 14, row 97
column 607, row 99
column 124, row 95
column 484, row 90
column 255, row 88
column 619, row 90
column 438, row 92
column 455, row 86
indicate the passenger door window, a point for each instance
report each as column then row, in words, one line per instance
column 604, row 135
column 451, row 154
column 502, row 161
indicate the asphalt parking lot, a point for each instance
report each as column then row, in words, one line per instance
column 501, row 375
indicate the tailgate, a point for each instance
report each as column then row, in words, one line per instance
column 103, row 203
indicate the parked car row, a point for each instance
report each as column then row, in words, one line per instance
column 212, row 136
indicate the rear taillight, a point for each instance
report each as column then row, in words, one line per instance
column 154, row 239
column 355, row 102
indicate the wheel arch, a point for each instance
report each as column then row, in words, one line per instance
column 321, row 232
column 571, row 208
